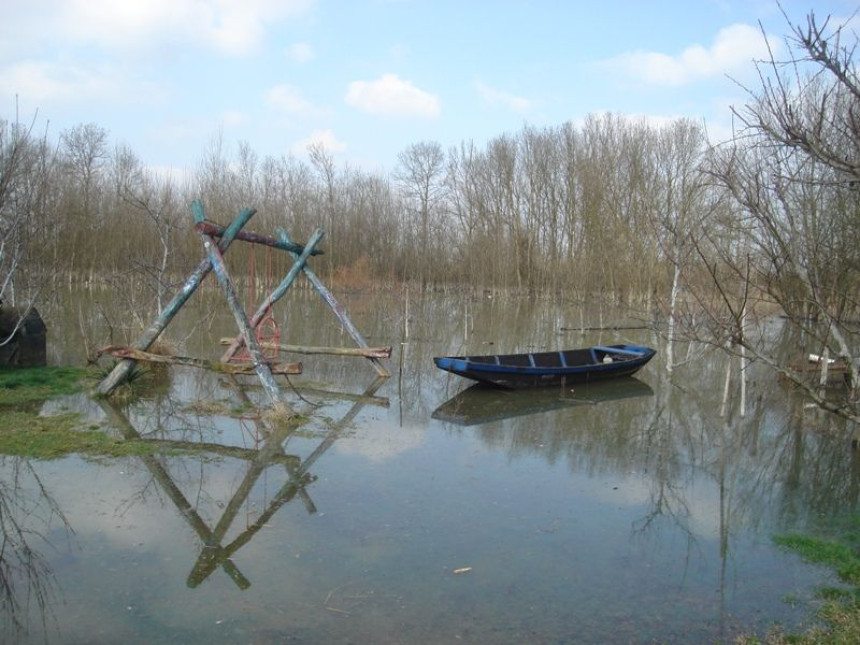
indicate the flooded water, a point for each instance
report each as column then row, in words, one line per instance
column 414, row 509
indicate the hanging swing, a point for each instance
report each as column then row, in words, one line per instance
column 267, row 331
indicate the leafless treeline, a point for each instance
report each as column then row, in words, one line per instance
column 579, row 208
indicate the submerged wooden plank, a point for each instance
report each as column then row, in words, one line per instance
column 364, row 352
column 126, row 352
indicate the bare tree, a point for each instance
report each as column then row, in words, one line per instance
column 145, row 193
column 14, row 170
column 679, row 196
column 420, row 173
column 26, row 167
column 83, row 155
column 85, row 150
column 792, row 172
column 323, row 163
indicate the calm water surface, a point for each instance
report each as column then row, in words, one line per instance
column 416, row 512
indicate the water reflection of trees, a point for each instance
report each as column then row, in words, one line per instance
column 28, row 513
column 781, row 461
column 783, row 464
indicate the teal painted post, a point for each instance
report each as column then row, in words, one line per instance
column 339, row 311
column 278, row 293
column 260, row 365
column 121, row 371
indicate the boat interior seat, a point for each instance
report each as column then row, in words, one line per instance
column 579, row 357
column 517, row 360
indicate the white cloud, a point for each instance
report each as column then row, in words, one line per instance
column 112, row 23
column 232, row 26
column 734, row 48
column 497, row 97
column 381, row 440
column 300, row 52
column 232, row 118
column 289, row 99
column 41, row 82
column 390, row 95
column 324, row 138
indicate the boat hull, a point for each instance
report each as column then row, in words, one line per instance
column 544, row 369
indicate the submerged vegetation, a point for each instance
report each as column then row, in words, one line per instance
column 25, row 432
column 48, row 437
column 838, row 549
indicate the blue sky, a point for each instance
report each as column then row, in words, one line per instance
column 367, row 78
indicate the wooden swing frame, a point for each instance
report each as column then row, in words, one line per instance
column 216, row 241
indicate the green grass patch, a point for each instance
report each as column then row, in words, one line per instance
column 841, row 607
column 28, row 435
column 23, row 432
column 839, row 556
column 25, row 385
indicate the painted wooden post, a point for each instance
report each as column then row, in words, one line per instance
column 339, row 311
column 121, row 371
column 278, row 293
column 260, row 365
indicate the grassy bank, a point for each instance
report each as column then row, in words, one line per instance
column 25, row 432
column 36, row 384
column 839, row 549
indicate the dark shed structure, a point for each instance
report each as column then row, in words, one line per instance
column 23, row 338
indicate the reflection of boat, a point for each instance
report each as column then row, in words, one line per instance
column 549, row 368
column 482, row 404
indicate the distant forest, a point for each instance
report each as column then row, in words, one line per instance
column 581, row 208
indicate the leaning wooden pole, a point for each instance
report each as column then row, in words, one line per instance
column 121, row 371
column 278, row 293
column 339, row 311
column 260, row 365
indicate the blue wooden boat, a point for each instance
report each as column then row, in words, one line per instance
column 549, row 368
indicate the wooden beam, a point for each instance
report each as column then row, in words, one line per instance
column 365, row 352
column 214, row 230
column 126, row 352
column 241, row 318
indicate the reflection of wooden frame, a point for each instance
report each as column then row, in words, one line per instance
column 271, row 452
column 216, row 240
